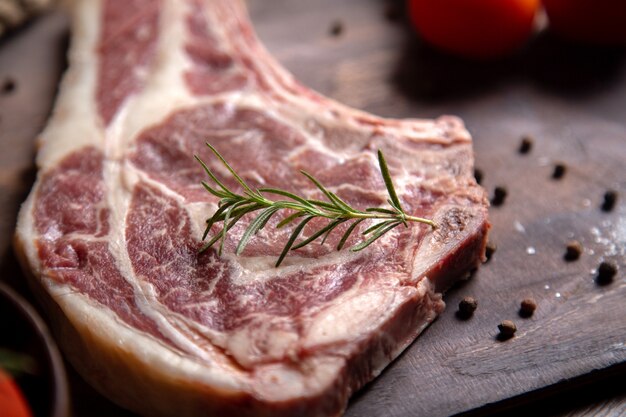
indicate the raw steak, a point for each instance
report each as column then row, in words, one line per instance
column 112, row 228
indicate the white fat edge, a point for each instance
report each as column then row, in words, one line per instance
column 75, row 122
column 25, row 231
column 329, row 112
column 259, row 269
column 281, row 382
column 334, row 114
column 81, row 311
column 164, row 92
column 351, row 318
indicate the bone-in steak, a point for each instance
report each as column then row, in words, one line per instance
column 112, row 228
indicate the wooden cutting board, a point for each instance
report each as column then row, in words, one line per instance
column 571, row 100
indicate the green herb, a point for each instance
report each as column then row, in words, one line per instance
column 232, row 207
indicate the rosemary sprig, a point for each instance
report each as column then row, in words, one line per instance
column 232, row 207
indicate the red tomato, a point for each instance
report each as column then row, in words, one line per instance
column 596, row 21
column 474, row 28
column 12, row 402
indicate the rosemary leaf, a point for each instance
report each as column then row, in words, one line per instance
column 384, row 170
column 329, row 227
column 232, row 171
column 210, row 173
column 377, row 234
column 293, row 238
column 266, row 219
column 256, row 225
column 325, row 205
column 286, row 194
column 380, row 210
column 339, row 203
column 347, row 234
column 392, row 204
column 213, row 191
column 207, row 229
column 217, row 216
column 284, row 222
column 225, row 229
column 335, row 224
column 246, row 208
column 218, row 236
column 375, row 227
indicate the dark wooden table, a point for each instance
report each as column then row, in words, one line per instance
column 570, row 357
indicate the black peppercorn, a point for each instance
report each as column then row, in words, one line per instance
column 336, row 28
column 573, row 250
column 527, row 307
column 507, row 329
column 8, row 86
column 525, row 145
column 499, row 195
column 606, row 273
column 610, row 198
column 467, row 306
column 559, row 171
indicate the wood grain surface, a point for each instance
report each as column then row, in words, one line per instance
column 569, row 358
